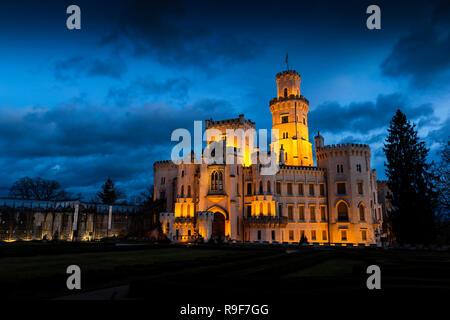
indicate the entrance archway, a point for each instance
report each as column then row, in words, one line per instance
column 218, row 226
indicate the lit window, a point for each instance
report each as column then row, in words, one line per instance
column 301, row 215
column 341, row 188
column 312, row 211
column 360, row 187
column 291, row 235
column 313, row 234
column 363, row 235
column 311, row 189
column 323, row 214
column 361, row 212
column 322, row 189
column 300, row 188
column 342, row 212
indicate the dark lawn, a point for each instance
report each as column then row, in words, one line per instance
column 207, row 273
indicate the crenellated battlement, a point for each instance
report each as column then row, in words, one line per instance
column 166, row 215
column 301, row 168
column 237, row 121
column 203, row 215
column 349, row 148
column 287, row 74
column 292, row 97
column 163, row 163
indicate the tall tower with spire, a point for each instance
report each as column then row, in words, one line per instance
column 290, row 116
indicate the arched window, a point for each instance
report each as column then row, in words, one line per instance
column 216, row 181
column 260, row 187
column 182, row 210
column 285, row 156
column 188, row 213
column 342, row 212
column 261, row 209
column 362, row 216
column 269, row 210
column 189, row 191
column 220, row 181
column 268, row 187
column 285, row 92
column 182, row 191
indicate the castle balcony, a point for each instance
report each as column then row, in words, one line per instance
column 184, row 220
column 291, row 97
column 266, row 221
column 216, row 195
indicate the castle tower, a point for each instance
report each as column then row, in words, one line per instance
column 290, row 116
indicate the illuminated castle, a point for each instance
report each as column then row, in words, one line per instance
column 333, row 203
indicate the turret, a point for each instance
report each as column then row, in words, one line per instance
column 290, row 117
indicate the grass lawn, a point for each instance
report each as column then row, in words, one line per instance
column 233, row 271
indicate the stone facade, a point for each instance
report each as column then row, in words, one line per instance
column 335, row 202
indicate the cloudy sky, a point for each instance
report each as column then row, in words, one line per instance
column 79, row 106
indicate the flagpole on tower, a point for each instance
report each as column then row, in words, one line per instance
column 287, row 63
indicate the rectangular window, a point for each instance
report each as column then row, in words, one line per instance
column 360, row 187
column 249, row 188
column 291, row 235
column 301, row 215
column 323, row 213
column 278, row 187
column 363, row 235
column 324, row 235
column 237, row 225
column 162, row 195
column 189, row 233
column 249, row 211
column 313, row 234
column 311, row 189
column 284, row 119
column 291, row 213
column 163, row 180
column 322, row 189
column 273, row 235
column 344, row 235
column 289, row 188
column 280, row 210
column 300, row 189
column 341, row 188
column 259, row 234
column 358, row 167
column 340, row 168
column 312, row 210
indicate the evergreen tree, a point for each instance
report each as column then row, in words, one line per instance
column 411, row 183
column 109, row 193
column 442, row 183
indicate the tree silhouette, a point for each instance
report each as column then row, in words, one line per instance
column 37, row 189
column 411, row 183
column 109, row 193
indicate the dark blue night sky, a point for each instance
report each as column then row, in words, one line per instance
column 81, row 106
